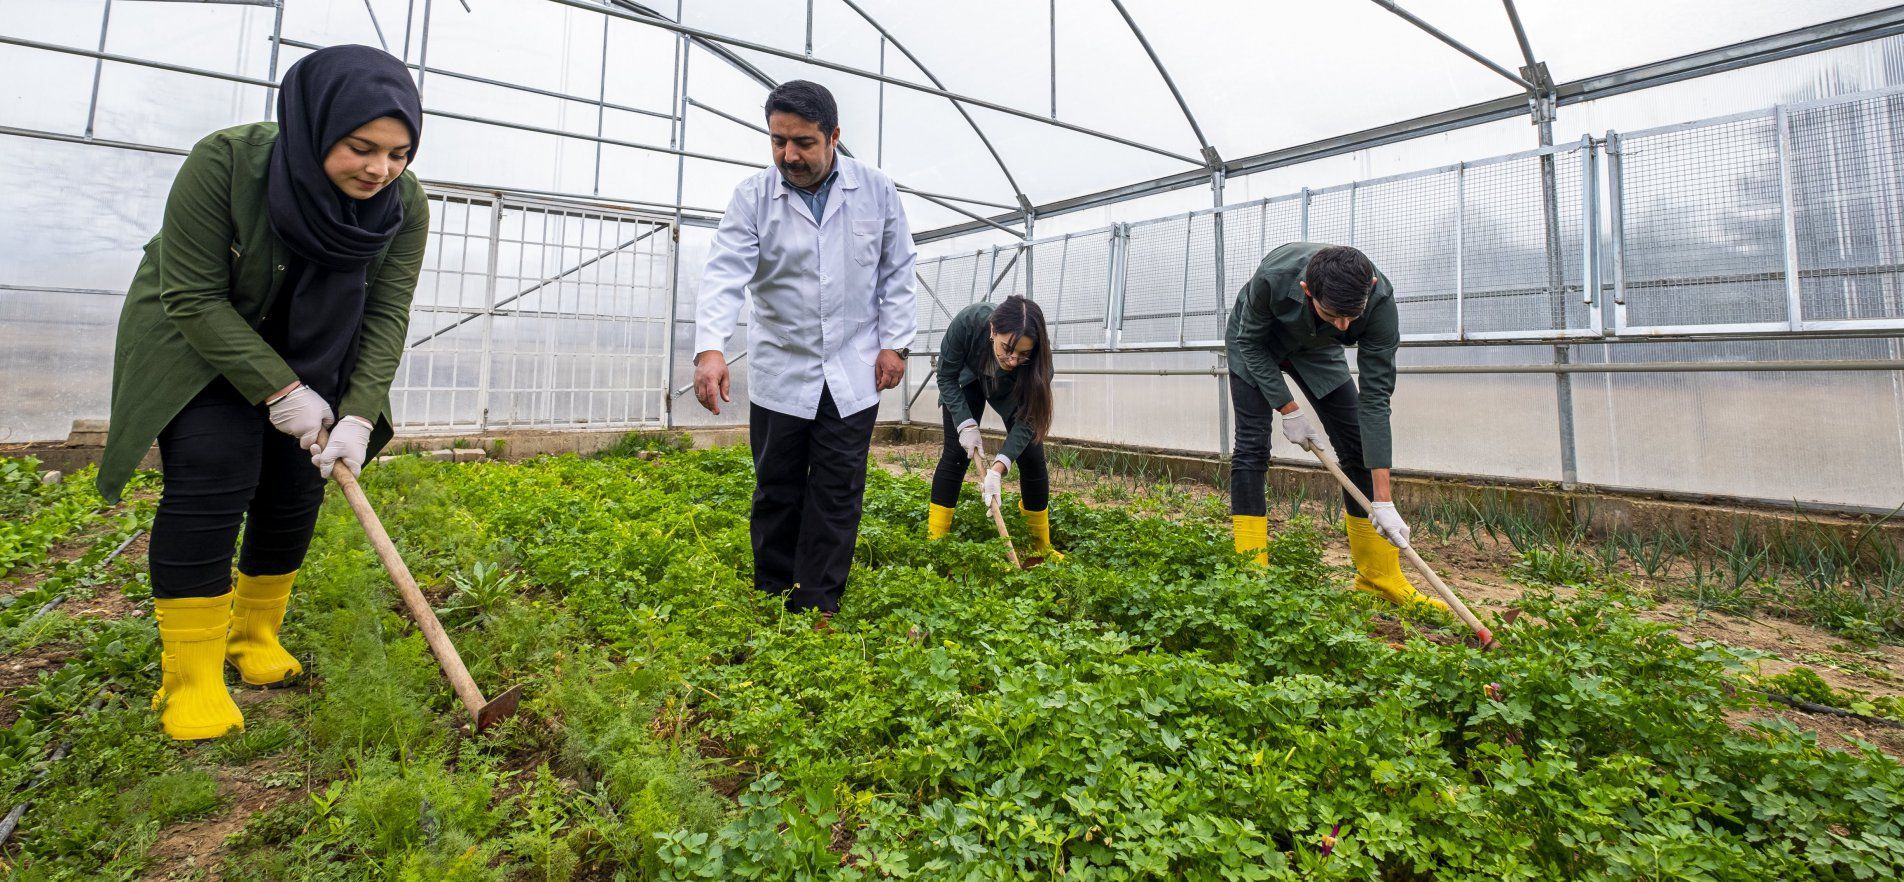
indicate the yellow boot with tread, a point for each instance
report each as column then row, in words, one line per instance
column 1038, row 524
column 192, row 700
column 257, row 614
column 1378, row 565
column 1252, row 534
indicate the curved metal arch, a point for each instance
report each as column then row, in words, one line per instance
column 1209, row 152
column 1023, row 201
column 761, row 77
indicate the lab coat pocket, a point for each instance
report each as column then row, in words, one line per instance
column 866, row 242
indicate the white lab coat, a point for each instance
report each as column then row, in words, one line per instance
column 828, row 296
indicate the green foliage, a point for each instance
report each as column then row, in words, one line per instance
column 1151, row 707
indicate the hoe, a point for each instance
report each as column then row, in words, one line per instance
column 484, row 712
column 1447, row 594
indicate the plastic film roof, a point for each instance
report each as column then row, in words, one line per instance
column 1255, row 76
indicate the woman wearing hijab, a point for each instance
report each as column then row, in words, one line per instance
column 998, row 354
column 271, row 307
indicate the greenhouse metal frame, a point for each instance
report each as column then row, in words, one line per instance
column 1603, row 269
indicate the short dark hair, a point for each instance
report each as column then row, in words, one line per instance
column 807, row 100
column 1341, row 279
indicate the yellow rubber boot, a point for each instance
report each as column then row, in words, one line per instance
column 1038, row 523
column 938, row 521
column 257, row 612
column 192, row 700
column 1252, row 534
column 1378, row 565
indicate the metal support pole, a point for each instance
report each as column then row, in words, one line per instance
column 1031, row 220
column 1556, row 298
column 809, row 27
column 484, row 373
column 879, row 143
column 277, row 36
column 601, row 107
column 1788, row 230
column 409, row 19
column 1460, row 248
column 99, row 66
column 1304, row 234
column 423, row 49
column 1616, row 210
column 1223, row 407
column 1217, row 180
column 1054, row 58
column 679, row 138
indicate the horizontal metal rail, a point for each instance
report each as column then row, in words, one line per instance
column 1659, row 367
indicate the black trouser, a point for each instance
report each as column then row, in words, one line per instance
column 1249, row 460
column 809, row 484
column 226, row 467
column 1034, row 480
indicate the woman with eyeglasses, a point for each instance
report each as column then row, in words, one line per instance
column 998, row 354
column 269, row 311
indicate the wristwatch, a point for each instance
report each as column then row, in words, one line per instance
column 904, row 353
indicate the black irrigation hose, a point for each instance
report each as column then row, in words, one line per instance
column 12, row 820
column 1812, row 707
column 61, row 598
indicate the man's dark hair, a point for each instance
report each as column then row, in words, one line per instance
column 1341, row 279
column 807, row 100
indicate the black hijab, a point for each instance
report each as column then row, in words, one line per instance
column 324, row 97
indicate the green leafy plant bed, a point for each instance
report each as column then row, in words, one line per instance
column 1151, row 707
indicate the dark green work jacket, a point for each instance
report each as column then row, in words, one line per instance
column 1273, row 323
column 207, row 281
column 965, row 357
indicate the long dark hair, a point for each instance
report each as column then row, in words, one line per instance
column 1016, row 318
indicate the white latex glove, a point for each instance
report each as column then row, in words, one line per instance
column 1297, row 429
column 969, row 438
column 1388, row 522
column 990, row 487
column 350, row 438
column 302, row 413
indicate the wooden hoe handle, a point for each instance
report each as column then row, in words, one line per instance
column 1441, row 588
column 998, row 519
column 485, row 712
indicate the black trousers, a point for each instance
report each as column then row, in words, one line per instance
column 809, row 485
column 1034, row 478
column 225, row 468
column 1249, row 458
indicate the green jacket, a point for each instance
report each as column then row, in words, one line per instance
column 963, row 355
column 206, row 282
column 1273, row 323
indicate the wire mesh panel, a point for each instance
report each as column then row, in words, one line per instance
column 1846, row 167
column 1520, row 246
column 530, row 314
column 1252, row 231
column 1072, row 283
column 1406, row 226
column 947, row 285
column 1330, row 217
column 1703, row 241
column 1155, row 284
column 1205, row 303
column 438, row 383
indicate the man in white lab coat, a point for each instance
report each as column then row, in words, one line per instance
column 822, row 242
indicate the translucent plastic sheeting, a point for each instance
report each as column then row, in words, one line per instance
column 1727, row 432
column 55, row 361
column 533, row 315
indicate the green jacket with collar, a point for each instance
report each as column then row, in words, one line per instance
column 963, row 354
column 1272, row 322
column 206, row 283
